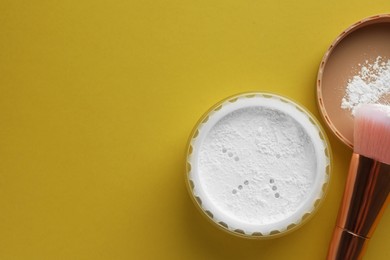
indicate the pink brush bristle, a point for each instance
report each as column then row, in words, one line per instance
column 372, row 132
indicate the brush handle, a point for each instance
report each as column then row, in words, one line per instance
column 365, row 198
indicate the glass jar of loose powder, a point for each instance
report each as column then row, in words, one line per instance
column 258, row 165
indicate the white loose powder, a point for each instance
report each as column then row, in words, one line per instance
column 367, row 87
column 257, row 165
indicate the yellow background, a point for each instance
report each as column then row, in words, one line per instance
column 98, row 98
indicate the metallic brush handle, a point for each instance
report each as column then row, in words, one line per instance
column 365, row 198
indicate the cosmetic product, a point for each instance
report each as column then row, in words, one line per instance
column 258, row 165
column 355, row 70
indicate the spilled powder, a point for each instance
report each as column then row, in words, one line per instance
column 368, row 86
column 257, row 165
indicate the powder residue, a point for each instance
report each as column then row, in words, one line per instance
column 257, row 165
column 367, row 87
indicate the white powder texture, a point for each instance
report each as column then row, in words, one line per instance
column 368, row 87
column 257, row 165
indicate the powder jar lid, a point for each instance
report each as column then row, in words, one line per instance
column 351, row 54
column 264, row 192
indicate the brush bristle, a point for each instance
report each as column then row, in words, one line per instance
column 372, row 132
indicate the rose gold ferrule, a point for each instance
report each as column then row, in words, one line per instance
column 365, row 198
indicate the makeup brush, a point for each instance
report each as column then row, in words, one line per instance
column 367, row 189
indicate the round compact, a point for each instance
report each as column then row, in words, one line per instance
column 258, row 165
column 355, row 70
